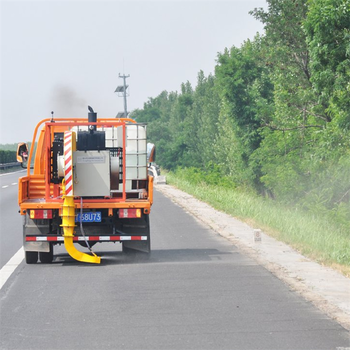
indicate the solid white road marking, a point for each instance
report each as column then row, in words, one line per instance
column 14, row 184
column 15, row 172
column 11, row 266
column 5, row 186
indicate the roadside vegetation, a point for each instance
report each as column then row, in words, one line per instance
column 7, row 156
column 8, row 153
column 320, row 237
column 7, row 159
column 270, row 127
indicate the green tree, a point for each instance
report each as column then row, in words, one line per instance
column 287, row 132
column 328, row 35
column 246, row 91
column 203, row 121
column 7, row 156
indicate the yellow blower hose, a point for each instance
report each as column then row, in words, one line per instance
column 68, row 208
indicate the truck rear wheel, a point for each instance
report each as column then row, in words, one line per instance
column 31, row 257
column 46, row 257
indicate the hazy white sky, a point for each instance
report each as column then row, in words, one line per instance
column 64, row 55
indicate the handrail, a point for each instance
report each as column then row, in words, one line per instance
column 68, row 121
column 33, row 143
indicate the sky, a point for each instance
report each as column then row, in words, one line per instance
column 64, row 55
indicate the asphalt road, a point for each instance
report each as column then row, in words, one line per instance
column 10, row 220
column 197, row 291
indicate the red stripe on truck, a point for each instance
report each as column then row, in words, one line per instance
column 88, row 238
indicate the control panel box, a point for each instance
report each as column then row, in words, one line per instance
column 91, row 173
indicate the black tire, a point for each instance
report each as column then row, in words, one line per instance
column 46, row 257
column 31, row 257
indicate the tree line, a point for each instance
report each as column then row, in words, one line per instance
column 275, row 115
column 7, row 157
column 8, row 152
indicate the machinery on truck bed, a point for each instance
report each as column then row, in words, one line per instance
column 89, row 184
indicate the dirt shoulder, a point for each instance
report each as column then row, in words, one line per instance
column 327, row 289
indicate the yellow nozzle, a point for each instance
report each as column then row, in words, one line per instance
column 77, row 255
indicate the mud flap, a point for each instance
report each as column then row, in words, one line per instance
column 137, row 246
column 134, row 227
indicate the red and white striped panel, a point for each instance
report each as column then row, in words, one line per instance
column 68, row 160
column 88, row 238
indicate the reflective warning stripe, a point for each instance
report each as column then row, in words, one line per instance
column 68, row 175
column 88, row 238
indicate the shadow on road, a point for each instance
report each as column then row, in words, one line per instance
column 157, row 256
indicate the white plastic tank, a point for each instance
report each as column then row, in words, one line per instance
column 136, row 152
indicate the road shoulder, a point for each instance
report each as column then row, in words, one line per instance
column 325, row 288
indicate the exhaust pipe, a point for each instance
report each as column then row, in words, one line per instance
column 92, row 118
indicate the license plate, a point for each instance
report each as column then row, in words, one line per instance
column 94, row 216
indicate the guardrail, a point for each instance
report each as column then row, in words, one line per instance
column 9, row 165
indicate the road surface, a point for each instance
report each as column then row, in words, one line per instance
column 10, row 220
column 197, row 291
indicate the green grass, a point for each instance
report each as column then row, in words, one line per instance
column 318, row 237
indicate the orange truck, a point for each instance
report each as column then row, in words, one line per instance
column 88, row 183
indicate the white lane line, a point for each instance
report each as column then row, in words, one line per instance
column 14, row 183
column 16, row 172
column 11, row 266
column 5, row 186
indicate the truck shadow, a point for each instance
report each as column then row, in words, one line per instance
column 157, row 256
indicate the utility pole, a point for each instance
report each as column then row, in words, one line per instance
column 121, row 90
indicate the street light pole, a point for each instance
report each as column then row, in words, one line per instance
column 124, row 93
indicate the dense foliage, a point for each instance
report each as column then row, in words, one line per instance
column 275, row 116
column 7, row 157
column 8, row 152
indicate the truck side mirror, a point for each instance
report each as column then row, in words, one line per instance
column 22, row 152
column 151, row 152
